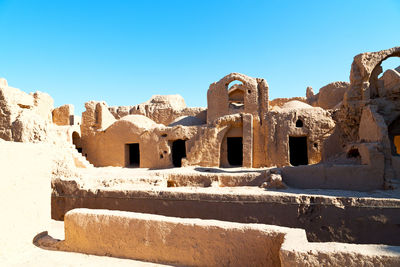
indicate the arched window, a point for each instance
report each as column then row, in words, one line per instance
column 236, row 94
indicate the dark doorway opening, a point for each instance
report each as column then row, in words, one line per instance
column 298, row 150
column 235, row 150
column 134, row 155
column 76, row 141
column 178, row 152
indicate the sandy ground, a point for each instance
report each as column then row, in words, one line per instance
column 25, row 190
column 25, row 176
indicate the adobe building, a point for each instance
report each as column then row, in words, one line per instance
column 238, row 128
column 345, row 137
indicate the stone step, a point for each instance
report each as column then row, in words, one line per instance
column 80, row 160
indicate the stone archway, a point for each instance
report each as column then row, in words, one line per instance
column 365, row 70
column 363, row 87
column 374, row 82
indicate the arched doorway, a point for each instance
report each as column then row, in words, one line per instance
column 232, row 148
column 235, row 150
column 236, row 95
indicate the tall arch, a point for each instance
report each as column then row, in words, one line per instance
column 374, row 83
column 365, row 70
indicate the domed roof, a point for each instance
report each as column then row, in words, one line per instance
column 295, row 104
column 186, row 121
column 170, row 101
column 131, row 125
column 139, row 120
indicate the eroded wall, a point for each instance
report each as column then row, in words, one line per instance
column 24, row 117
column 162, row 109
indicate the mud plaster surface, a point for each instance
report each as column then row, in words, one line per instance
column 116, row 178
column 25, row 205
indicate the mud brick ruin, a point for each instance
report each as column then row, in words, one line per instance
column 302, row 181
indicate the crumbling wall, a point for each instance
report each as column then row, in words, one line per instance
column 63, row 115
column 24, row 117
column 379, row 96
column 95, row 118
column 391, row 83
column 163, row 109
column 364, row 86
column 330, row 96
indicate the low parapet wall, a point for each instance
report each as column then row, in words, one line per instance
column 337, row 254
column 342, row 177
column 189, row 242
column 195, row 242
column 357, row 219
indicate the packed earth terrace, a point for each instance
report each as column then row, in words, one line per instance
column 302, row 181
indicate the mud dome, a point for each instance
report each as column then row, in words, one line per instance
column 327, row 163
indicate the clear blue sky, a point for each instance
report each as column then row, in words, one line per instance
column 123, row 52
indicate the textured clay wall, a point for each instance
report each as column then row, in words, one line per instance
column 188, row 242
column 324, row 218
column 264, row 134
column 194, row 242
column 317, row 125
column 109, row 147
